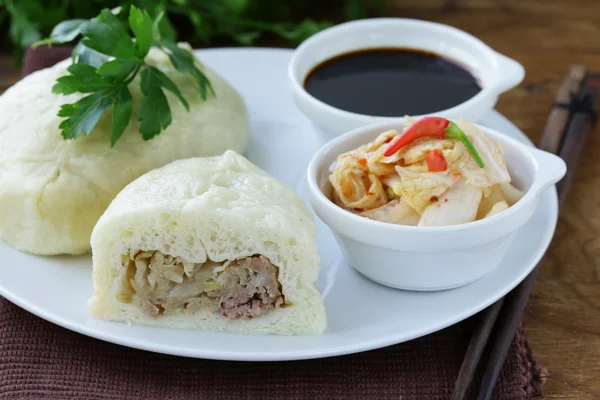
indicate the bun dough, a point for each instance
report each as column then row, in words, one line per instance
column 218, row 208
column 52, row 191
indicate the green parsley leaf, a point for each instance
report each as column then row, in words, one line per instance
column 122, row 107
column 303, row 31
column 64, row 32
column 83, row 78
column 107, row 35
column 120, row 12
column 118, row 69
column 142, row 28
column 84, row 55
column 153, row 113
column 83, row 115
column 355, row 10
column 107, row 60
column 247, row 38
column 22, row 29
column 168, row 84
column 162, row 27
column 203, row 30
column 236, row 6
column 183, row 61
column 203, row 83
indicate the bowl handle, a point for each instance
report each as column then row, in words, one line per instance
column 511, row 73
column 550, row 169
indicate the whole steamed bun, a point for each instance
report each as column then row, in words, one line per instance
column 53, row 191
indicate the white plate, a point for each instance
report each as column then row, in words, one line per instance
column 361, row 314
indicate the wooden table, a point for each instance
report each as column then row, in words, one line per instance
column 563, row 314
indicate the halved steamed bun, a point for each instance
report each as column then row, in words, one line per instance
column 212, row 244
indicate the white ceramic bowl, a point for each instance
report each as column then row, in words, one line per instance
column 496, row 73
column 429, row 258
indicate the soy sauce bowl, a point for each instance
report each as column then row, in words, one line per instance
column 495, row 72
column 429, row 258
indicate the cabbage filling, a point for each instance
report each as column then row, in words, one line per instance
column 236, row 289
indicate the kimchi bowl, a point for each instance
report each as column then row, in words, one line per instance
column 427, row 258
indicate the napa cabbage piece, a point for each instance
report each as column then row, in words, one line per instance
column 457, row 206
column 398, row 187
column 419, row 188
column 491, row 153
column 395, row 212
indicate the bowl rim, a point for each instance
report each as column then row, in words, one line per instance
column 492, row 59
column 526, row 152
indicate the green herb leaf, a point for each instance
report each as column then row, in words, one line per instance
column 117, row 70
column 247, row 38
column 168, row 84
column 202, row 28
column 120, row 12
column 122, row 107
column 162, row 28
column 303, row 31
column 107, row 35
column 236, row 6
column 142, row 28
column 183, row 61
column 82, row 78
column 64, row 32
column 83, row 115
column 453, row 131
column 106, row 62
column 355, row 10
column 153, row 113
column 84, row 55
column 22, row 29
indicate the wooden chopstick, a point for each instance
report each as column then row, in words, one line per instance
column 579, row 128
column 559, row 116
column 475, row 350
column 551, row 140
column 570, row 151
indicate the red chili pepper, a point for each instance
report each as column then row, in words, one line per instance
column 432, row 127
column 436, row 161
column 428, row 126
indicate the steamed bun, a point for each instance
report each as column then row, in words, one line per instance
column 53, row 191
column 208, row 217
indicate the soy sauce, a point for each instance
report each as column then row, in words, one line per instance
column 391, row 82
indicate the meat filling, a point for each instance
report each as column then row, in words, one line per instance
column 238, row 289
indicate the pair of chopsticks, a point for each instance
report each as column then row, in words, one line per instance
column 569, row 123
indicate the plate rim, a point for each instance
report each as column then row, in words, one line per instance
column 356, row 347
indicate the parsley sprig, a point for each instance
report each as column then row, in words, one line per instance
column 106, row 61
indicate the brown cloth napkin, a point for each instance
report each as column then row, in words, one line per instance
column 39, row 360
